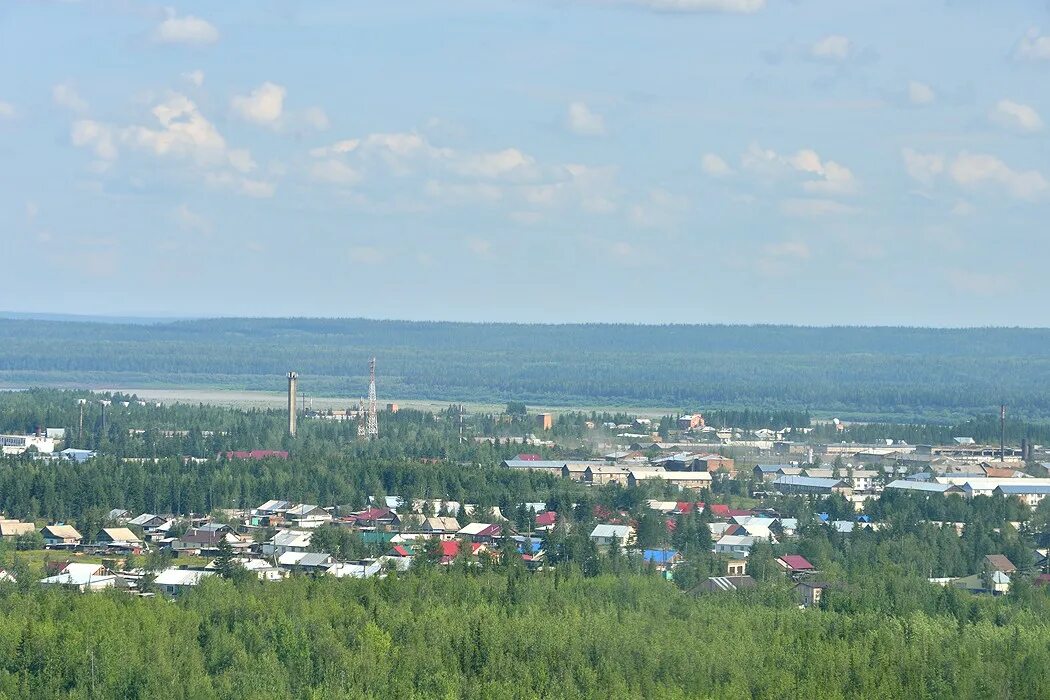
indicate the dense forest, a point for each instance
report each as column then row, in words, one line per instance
column 907, row 373
column 500, row 634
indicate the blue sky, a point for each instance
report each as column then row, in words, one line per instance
column 811, row 162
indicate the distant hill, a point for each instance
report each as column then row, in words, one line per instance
column 901, row 372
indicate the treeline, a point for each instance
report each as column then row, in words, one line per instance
column 905, row 372
column 465, row 634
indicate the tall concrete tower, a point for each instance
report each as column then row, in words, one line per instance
column 293, row 402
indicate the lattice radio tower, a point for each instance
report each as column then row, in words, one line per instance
column 373, row 406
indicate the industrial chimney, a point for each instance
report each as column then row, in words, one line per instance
column 293, row 393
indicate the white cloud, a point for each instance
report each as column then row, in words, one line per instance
column 922, row 167
column 334, row 172
column 714, row 165
column 316, row 118
column 825, row 177
column 96, row 136
column 7, row 110
column 975, row 170
column 581, row 120
column 183, row 134
column 185, row 30
column 337, row 148
column 65, row 95
column 263, row 105
column 1033, row 46
column 833, row 47
column 1016, row 116
column 729, row 6
column 920, row 93
column 496, row 164
column 194, row 77
column 32, row 210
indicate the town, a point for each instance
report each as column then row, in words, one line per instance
column 713, row 509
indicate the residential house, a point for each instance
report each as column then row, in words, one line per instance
column 118, row 516
column 441, row 525
column 724, row 584
column 82, row 577
column 306, row 562
column 174, row 582
column 118, row 538
column 795, row 564
column 546, row 520
column 661, row 559
column 810, row 593
column 61, row 536
column 288, row 541
column 483, row 533
column 735, row 545
column 152, row 526
column 378, row 518
column 207, row 538
column 604, row 535
column 10, row 529
column 308, row 516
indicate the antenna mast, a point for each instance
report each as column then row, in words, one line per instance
column 372, row 429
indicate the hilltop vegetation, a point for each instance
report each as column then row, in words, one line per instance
column 907, row 373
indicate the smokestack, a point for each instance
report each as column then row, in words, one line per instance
column 293, row 400
column 1002, row 433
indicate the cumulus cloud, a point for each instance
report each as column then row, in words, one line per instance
column 922, row 167
column 1033, row 46
column 334, row 172
column 65, row 95
column 316, row 118
column 180, row 133
column 818, row 176
column 714, row 165
column 833, row 47
column 263, row 105
column 187, row 29
column 975, row 170
column 1016, row 116
column 581, row 120
column 920, row 93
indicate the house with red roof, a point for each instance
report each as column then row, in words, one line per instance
column 795, row 564
column 546, row 520
column 721, row 510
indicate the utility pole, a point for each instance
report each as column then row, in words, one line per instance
column 1002, row 433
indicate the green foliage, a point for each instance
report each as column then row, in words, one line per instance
column 478, row 635
column 905, row 372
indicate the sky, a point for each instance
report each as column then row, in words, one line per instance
column 674, row 161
